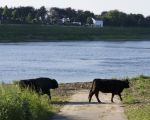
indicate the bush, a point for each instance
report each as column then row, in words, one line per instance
column 23, row 105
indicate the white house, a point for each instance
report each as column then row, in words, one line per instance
column 97, row 23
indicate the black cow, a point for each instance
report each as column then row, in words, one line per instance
column 107, row 86
column 39, row 85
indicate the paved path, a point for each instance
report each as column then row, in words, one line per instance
column 78, row 108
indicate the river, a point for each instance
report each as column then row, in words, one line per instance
column 74, row 61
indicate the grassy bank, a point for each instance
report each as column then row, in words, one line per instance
column 137, row 99
column 27, row 105
column 23, row 33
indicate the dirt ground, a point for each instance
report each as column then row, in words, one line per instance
column 78, row 108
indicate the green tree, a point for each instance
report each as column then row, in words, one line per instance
column 5, row 14
column 114, row 18
column 89, row 21
column 41, row 14
column 14, row 14
column 29, row 18
column 147, row 21
column 5, row 11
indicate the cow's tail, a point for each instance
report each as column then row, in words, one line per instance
column 91, row 91
column 92, row 87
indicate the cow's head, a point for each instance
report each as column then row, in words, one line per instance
column 54, row 84
column 126, row 83
column 23, row 83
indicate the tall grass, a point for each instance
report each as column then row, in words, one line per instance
column 16, row 104
column 137, row 99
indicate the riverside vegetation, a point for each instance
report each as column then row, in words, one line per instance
column 31, row 33
column 16, row 104
column 27, row 105
column 137, row 99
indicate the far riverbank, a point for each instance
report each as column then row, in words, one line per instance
column 47, row 33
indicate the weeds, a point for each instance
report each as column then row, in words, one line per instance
column 137, row 99
column 16, row 104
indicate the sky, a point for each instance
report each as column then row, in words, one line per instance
column 95, row 6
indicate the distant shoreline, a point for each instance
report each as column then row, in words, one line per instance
column 53, row 33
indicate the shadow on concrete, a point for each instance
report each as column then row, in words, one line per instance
column 77, row 103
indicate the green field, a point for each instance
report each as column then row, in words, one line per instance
column 137, row 99
column 24, row 33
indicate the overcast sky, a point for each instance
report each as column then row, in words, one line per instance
column 96, row 6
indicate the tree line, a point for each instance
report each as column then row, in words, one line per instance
column 30, row 15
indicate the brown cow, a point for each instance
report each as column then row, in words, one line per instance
column 39, row 85
column 108, row 86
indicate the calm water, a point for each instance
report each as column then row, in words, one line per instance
column 74, row 61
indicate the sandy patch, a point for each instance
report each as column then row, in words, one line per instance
column 78, row 108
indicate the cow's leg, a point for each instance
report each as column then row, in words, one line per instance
column 90, row 95
column 120, row 96
column 112, row 97
column 49, row 94
column 96, row 94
